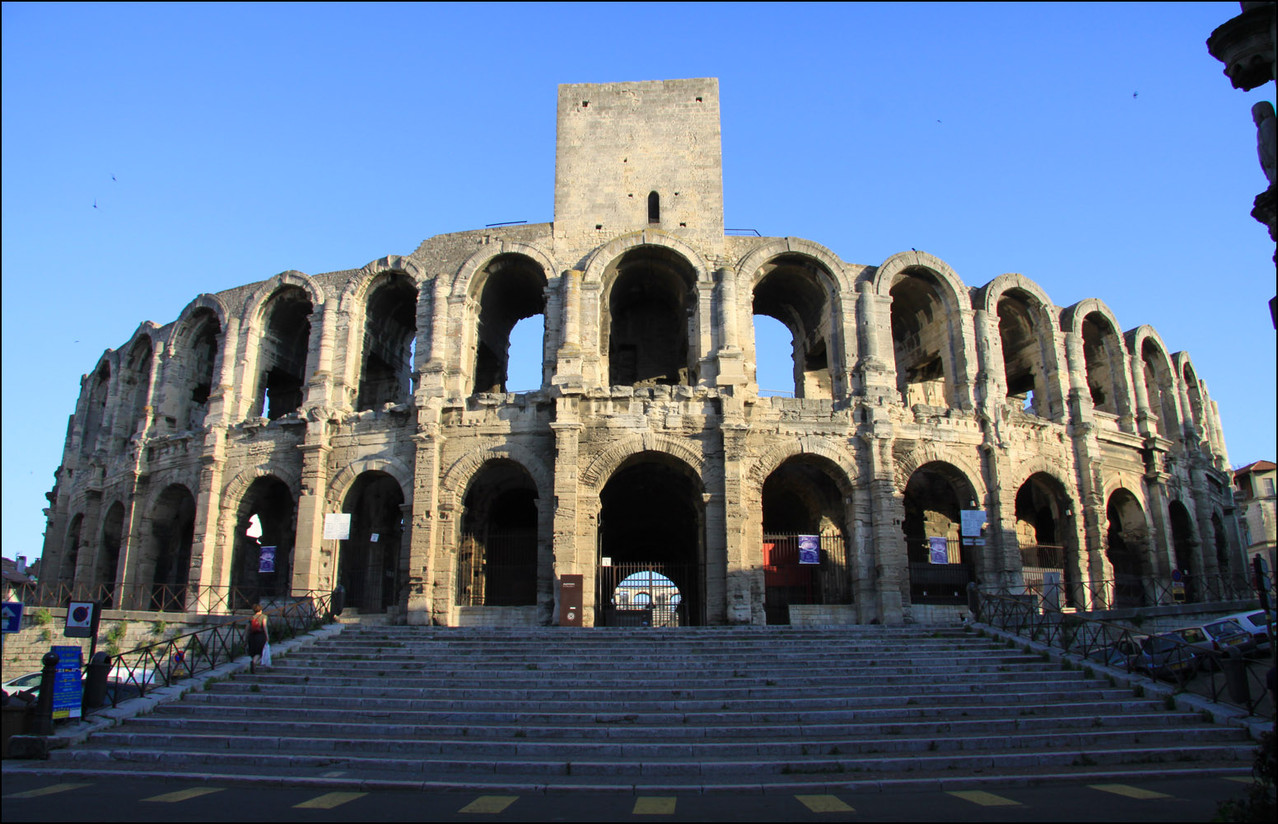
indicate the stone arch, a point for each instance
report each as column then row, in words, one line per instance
column 1127, row 550
column 195, row 354
column 499, row 289
column 594, row 266
column 166, row 540
column 459, row 473
column 372, row 564
column 1024, row 350
column 502, row 537
column 273, row 502
column 1157, row 374
column 344, row 478
column 802, row 286
column 933, row 502
column 749, row 268
column 135, row 378
column 277, row 360
column 98, row 386
column 356, row 289
column 1196, row 413
column 1105, row 356
column 928, row 309
column 234, row 489
column 1046, row 534
column 915, row 459
column 605, row 463
column 255, row 305
column 779, row 453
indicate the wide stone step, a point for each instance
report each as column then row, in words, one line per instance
column 709, row 729
column 749, row 770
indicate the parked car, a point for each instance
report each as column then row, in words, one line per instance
column 30, row 681
column 1256, row 623
column 1215, row 637
column 1158, row 656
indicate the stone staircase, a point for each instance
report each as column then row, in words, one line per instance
column 693, row 709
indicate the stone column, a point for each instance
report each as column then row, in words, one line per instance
column 890, row 558
column 731, row 369
column 571, row 555
column 422, row 536
column 568, row 368
column 744, row 557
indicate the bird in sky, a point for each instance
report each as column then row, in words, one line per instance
column 95, row 203
column 1134, row 94
column 113, row 178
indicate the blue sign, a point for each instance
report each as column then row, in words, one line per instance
column 11, row 611
column 68, row 691
column 938, row 551
column 266, row 560
column 809, row 549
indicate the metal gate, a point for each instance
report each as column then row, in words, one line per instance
column 648, row 594
column 786, row 581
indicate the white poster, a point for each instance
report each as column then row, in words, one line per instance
column 337, row 526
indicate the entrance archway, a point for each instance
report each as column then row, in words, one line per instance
column 1045, row 540
column 369, row 565
column 1185, row 545
column 497, row 556
column 166, row 557
column 651, row 520
column 1125, row 539
column 268, row 503
column 805, row 557
column 935, row 497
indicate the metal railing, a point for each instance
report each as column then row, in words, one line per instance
column 1219, row 675
column 137, row 671
column 1131, row 592
column 148, row 597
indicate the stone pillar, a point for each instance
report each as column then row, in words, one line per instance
column 314, row 563
column 731, row 369
column 703, row 328
column 1144, row 425
column 571, row 555
column 568, row 368
column 422, row 536
column 744, row 568
column 890, row 558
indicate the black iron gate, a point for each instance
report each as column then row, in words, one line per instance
column 786, row 580
column 648, row 594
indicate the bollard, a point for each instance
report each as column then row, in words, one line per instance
column 95, row 681
column 42, row 724
column 1236, row 676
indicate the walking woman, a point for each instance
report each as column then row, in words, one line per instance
column 257, row 637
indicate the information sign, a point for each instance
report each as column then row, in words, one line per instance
column 11, row 611
column 337, row 526
column 266, row 559
column 938, row 551
column 68, row 691
column 809, row 549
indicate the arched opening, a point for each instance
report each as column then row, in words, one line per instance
column 1126, row 539
column 1024, row 369
column 166, row 553
column 514, row 288
column 1226, row 569
column 920, row 340
column 197, row 358
column 651, row 519
column 369, row 562
column 654, row 208
column 941, row 566
column 805, row 546
column 1101, row 349
column 262, row 560
column 1184, row 544
column 524, row 372
column 497, row 555
column 284, row 347
column 1049, row 555
column 1158, row 388
column 390, row 327
column 795, row 291
column 135, row 378
column 96, row 410
column 70, row 557
column 1195, row 411
column 647, row 599
column 650, row 314
column 108, row 567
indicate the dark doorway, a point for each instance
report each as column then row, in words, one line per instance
column 651, row 520
column 497, row 558
column 269, row 505
column 369, row 564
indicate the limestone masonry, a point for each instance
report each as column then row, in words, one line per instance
column 1087, row 463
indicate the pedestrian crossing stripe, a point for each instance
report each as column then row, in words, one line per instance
column 489, row 804
column 652, row 805
column 1127, row 790
column 328, row 801
column 183, row 795
column 49, row 790
column 984, row 799
column 824, row 804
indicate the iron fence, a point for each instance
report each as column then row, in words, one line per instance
column 137, row 671
column 1129, row 592
column 150, row 597
column 1222, row 676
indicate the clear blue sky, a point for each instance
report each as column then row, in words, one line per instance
column 1095, row 148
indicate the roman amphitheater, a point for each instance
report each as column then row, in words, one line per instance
column 937, row 433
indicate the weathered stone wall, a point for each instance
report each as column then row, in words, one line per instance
column 917, row 397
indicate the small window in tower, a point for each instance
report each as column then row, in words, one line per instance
column 654, row 208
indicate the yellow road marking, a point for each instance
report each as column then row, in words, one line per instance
column 651, row 805
column 1127, row 790
column 328, row 801
column 49, row 790
column 489, row 804
column 824, row 804
column 183, row 795
column 985, row 799
column 1241, row 779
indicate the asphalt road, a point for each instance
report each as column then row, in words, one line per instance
column 51, row 798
